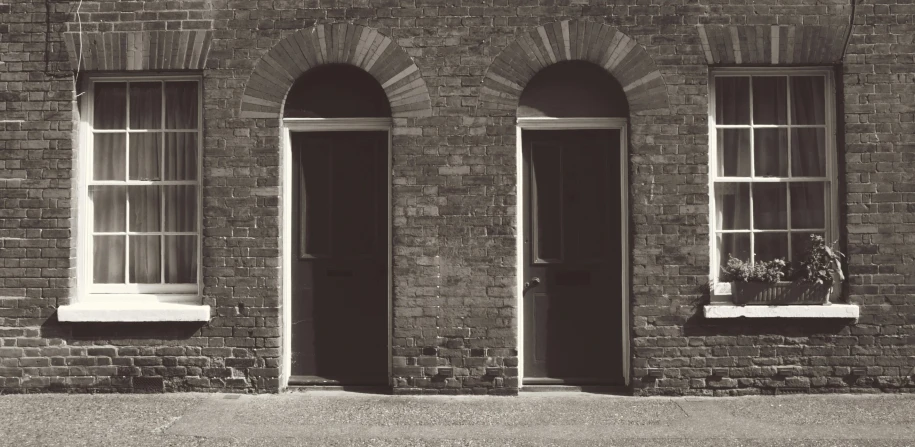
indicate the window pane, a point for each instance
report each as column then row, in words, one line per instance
column 180, row 259
column 800, row 242
column 144, row 156
column 808, row 152
column 110, row 105
column 732, row 100
column 808, row 209
column 770, row 206
column 547, row 209
column 108, row 159
column 733, row 244
column 732, row 201
column 734, row 152
column 144, row 208
column 145, row 105
column 314, row 184
column 770, row 98
column 808, row 104
column 770, row 246
column 108, row 259
column 181, row 105
column 180, row 156
column 771, row 152
column 144, row 260
column 180, row 208
column 109, row 204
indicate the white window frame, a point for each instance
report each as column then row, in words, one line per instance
column 130, row 302
column 722, row 291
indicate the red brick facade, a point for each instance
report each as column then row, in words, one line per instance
column 453, row 73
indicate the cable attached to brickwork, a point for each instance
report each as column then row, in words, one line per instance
column 79, row 57
column 79, row 21
column 851, row 26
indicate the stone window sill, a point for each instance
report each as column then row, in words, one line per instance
column 849, row 311
column 125, row 308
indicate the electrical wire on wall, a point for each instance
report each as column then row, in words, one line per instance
column 79, row 57
column 851, row 26
column 79, row 32
column 1, row 41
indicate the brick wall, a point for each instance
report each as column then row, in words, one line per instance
column 454, row 196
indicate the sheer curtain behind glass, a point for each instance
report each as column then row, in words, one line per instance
column 770, row 183
column 144, row 182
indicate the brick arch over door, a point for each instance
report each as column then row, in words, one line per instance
column 545, row 45
column 341, row 43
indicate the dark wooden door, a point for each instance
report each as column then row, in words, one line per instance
column 340, row 269
column 573, row 257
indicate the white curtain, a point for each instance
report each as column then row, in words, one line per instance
column 771, row 154
column 181, row 164
column 808, row 159
column 154, row 154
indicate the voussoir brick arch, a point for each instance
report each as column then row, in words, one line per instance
column 341, row 43
column 138, row 50
column 773, row 44
column 568, row 40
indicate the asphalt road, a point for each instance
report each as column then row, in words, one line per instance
column 328, row 418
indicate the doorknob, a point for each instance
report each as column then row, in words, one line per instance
column 532, row 283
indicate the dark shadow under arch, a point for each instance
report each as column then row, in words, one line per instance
column 571, row 89
column 336, row 91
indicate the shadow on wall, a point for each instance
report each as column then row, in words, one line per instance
column 699, row 326
column 573, row 89
column 52, row 328
column 336, row 91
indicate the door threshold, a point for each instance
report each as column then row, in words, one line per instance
column 596, row 389
column 364, row 389
column 302, row 384
column 583, row 381
column 341, row 382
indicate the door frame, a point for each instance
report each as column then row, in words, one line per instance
column 545, row 123
column 290, row 126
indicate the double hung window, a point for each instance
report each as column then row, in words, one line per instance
column 140, row 232
column 772, row 164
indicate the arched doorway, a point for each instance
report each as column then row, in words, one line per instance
column 572, row 120
column 336, row 132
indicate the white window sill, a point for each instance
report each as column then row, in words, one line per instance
column 850, row 311
column 132, row 309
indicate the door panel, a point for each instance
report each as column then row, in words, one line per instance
column 573, row 247
column 339, row 278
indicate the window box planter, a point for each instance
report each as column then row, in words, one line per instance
column 780, row 293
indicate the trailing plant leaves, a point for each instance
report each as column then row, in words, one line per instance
column 821, row 263
column 762, row 271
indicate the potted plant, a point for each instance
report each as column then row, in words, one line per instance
column 821, row 265
column 773, row 282
column 757, row 283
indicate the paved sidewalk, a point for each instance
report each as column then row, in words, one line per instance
column 328, row 418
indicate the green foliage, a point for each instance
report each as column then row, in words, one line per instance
column 821, row 262
column 762, row 271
